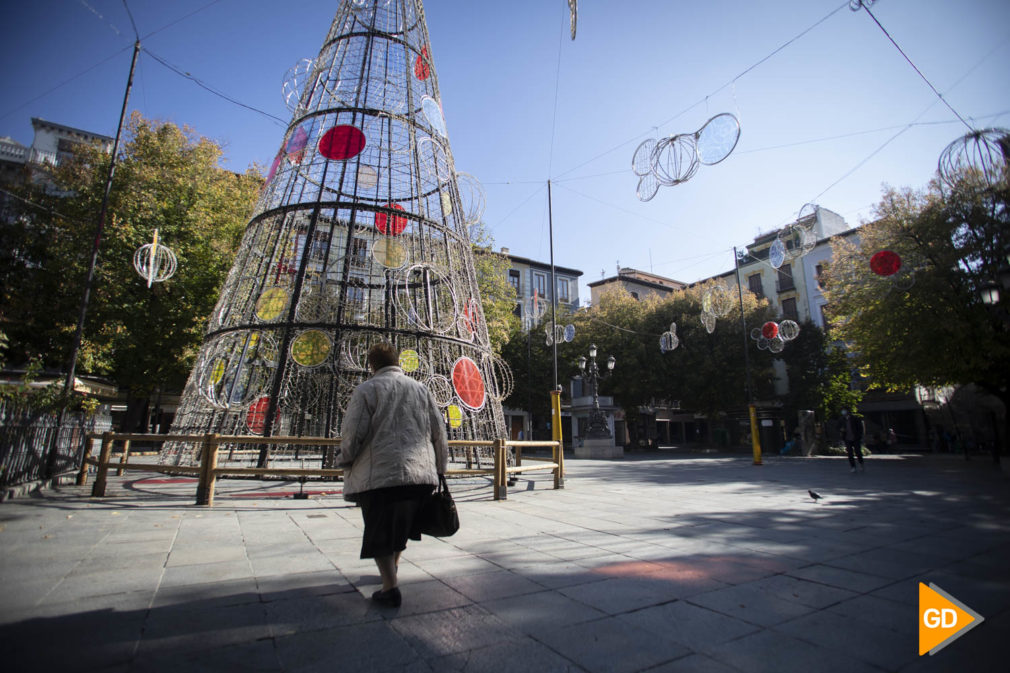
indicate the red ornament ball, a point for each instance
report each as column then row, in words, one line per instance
column 256, row 416
column 770, row 330
column 342, row 142
column 391, row 225
column 885, row 263
column 468, row 382
column 421, row 69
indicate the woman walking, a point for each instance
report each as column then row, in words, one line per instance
column 393, row 447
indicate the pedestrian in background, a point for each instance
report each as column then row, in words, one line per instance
column 852, row 434
column 393, row 442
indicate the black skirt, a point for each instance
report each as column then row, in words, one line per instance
column 390, row 516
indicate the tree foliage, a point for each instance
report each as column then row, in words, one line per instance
column 167, row 179
column 705, row 373
column 496, row 295
column 820, row 374
column 926, row 324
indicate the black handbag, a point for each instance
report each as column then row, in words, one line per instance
column 438, row 514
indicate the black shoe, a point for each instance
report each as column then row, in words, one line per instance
column 391, row 598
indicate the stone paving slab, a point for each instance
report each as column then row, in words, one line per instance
column 658, row 562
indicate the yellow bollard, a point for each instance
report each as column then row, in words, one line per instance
column 556, row 435
column 755, row 438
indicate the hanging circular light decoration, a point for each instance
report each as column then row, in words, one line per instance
column 154, row 262
column 979, row 157
column 717, row 139
column 294, row 82
column 885, row 263
column 789, row 330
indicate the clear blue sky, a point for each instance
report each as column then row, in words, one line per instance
column 523, row 102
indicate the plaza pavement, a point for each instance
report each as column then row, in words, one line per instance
column 658, row 562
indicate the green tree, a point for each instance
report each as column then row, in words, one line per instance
column 168, row 179
column 532, row 366
column 496, row 295
column 705, row 373
column 820, row 375
column 927, row 324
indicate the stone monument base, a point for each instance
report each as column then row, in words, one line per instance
column 599, row 448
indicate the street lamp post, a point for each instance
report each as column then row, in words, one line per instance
column 598, row 428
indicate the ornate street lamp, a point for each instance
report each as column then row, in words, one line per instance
column 597, row 421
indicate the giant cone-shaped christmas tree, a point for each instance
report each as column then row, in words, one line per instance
column 360, row 235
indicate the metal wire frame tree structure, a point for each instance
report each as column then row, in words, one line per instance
column 360, row 234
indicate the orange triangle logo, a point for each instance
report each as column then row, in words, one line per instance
column 942, row 619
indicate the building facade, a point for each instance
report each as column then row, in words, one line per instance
column 51, row 144
column 531, row 280
column 639, row 284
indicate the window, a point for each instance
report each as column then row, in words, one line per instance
column 356, row 292
column 563, row 290
column 820, row 273
column 786, row 278
column 789, row 309
column 359, row 252
column 634, row 295
column 514, row 280
column 540, row 282
column 754, row 283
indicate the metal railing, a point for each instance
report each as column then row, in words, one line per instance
column 208, row 472
column 35, row 446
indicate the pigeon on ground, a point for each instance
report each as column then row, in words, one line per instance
column 813, row 494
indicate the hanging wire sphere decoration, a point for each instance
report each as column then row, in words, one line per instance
column 294, row 82
column 776, row 344
column 717, row 139
column 569, row 333
column 155, row 263
column 721, row 302
column 641, row 160
column 979, row 157
column 789, row 330
column 770, row 330
column 856, row 5
column 648, row 186
column 807, row 210
column 675, row 159
column 668, row 341
column 708, row 320
column 573, row 10
column 777, row 253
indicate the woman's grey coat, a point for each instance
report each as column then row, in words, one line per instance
column 391, row 434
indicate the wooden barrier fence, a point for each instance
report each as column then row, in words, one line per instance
column 208, row 471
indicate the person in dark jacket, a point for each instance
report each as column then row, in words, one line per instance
column 394, row 447
column 851, row 431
